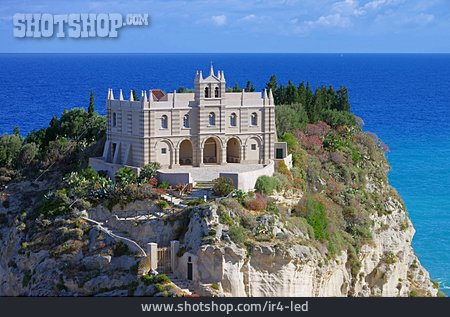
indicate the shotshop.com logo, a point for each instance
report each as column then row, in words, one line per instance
column 75, row 25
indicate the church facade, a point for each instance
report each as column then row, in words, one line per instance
column 208, row 126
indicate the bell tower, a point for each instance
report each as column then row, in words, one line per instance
column 211, row 88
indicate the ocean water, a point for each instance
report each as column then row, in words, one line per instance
column 405, row 99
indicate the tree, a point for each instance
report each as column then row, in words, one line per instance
column 10, row 146
column 291, row 94
column 272, row 84
column 236, row 88
column 249, row 87
column 289, row 118
column 135, row 96
column 27, row 154
column 91, row 103
column 343, row 103
column 180, row 90
column 16, row 131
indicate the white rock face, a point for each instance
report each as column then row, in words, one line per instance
column 389, row 266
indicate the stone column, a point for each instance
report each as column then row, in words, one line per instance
column 242, row 153
column 176, row 158
column 223, row 153
column 152, row 254
column 174, row 247
column 200, row 156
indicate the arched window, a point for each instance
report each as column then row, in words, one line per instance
column 206, row 92
column 233, row 119
column 254, row 119
column 164, row 122
column 216, row 92
column 212, row 119
column 114, row 119
column 186, row 121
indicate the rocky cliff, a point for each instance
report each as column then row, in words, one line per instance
column 387, row 266
column 331, row 226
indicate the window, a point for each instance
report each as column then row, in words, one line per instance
column 163, row 150
column 113, row 151
column 216, row 92
column 186, row 121
column 279, row 154
column 253, row 147
column 233, row 120
column 114, row 119
column 254, row 119
column 206, row 92
column 164, row 122
column 212, row 119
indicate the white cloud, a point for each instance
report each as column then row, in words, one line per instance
column 249, row 17
column 219, row 20
column 253, row 18
column 332, row 20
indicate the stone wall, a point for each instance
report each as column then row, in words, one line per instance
column 246, row 180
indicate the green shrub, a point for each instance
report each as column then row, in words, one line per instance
column 126, row 176
column 162, row 204
column 120, row 249
column 317, row 219
column 148, row 172
column 54, row 204
column 159, row 279
column 266, row 184
column 164, row 185
column 215, row 286
column 195, row 201
column 88, row 183
column 238, row 235
column 223, row 186
column 239, row 195
column 225, row 218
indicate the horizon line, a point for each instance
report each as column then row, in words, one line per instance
column 261, row 53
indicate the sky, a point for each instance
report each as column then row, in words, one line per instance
column 285, row 26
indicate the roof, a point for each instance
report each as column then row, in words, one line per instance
column 158, row 94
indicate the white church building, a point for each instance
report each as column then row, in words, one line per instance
column 229, row 134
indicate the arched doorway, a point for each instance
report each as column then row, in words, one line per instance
column 211, row 151
column 185, row 152
column 233, row 151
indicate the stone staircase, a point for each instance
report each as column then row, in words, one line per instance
column 204, row 185
column 185, row 285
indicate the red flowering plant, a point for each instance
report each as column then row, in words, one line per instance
column 258, row 203
column 153, row 182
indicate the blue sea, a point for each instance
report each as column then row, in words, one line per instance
column 405, row 99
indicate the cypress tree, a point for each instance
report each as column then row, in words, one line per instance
column 249, row 87
column 91, row 103
column 272, row 84
column 291, row 94
column 135, row 96
column 343, row 103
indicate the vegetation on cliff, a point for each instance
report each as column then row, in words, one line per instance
column 337, row 177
